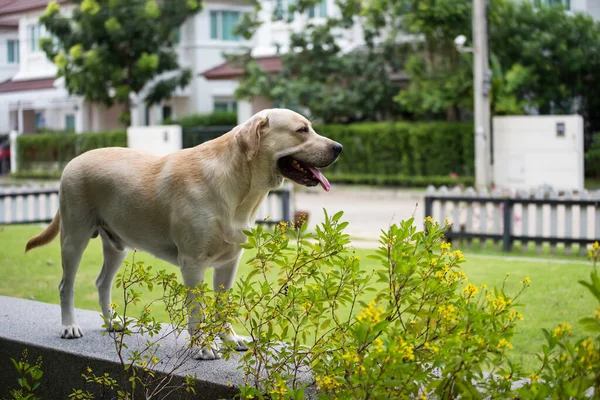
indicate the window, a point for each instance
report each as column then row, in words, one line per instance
column 225, row 105
column 70, row 122
column 279, row 11
column 34, row 37
column 167, row 111
column 282, row 10
column 565, row 3
column 40, row 121
column 319, row 11
column 178, row 35
column 222, row 24
column 13, row 51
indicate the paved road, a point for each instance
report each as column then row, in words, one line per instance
column 368, row 210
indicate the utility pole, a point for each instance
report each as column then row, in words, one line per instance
column 481, row 91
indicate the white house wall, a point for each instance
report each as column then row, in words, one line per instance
column 208, row 53
column 7, row 70
column 34, row 64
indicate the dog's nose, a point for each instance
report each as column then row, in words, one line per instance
column 337, row 148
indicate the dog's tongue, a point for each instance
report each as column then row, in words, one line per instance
column 324, row 182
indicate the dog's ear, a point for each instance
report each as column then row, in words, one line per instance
column 248, row 135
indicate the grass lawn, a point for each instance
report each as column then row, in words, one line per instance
column 554, row 295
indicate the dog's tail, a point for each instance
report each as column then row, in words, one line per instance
column 46, row 236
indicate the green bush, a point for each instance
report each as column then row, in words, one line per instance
column 37, row 174
column 427, row 334
column 400, row 180
column 36, row 150
column 217, row 118
column 403, row 148
column 592, row 158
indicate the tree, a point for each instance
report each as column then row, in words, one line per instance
column 561, row 52
column 334, row 85
column 110, row 50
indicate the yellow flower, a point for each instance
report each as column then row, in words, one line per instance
column 327, row 383
column 480, row 341
column 430, row 220
column 405, row 351
column 89, row 369
column 596, row 246
column 379, row 347
column 279, row 389
column 432, row 347
column 371, row 314
column 563, row 329
column 470, row 290
column 526, row 280
column 448, row 221
column 504, row 343
column 446, row 246
column 515, row 315
column 458, row 254
column 534, row 377
column 483, row 286
column 447, row 312
column 113, row 306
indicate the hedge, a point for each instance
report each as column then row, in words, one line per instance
column 421, row 149
column 53, row 152
column 399, row 180
column 592, row 158
column 217, row 118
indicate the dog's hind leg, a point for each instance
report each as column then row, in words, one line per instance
column 223, row 279
column 73, row 243
column 113, row 258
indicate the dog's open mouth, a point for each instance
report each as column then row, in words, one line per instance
column 302, row 173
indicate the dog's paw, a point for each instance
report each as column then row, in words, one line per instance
column 207, row 353
column 71, row 331
column 237, row 342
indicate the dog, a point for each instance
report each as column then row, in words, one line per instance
column 189, row 207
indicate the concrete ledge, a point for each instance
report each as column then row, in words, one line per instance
column 36, row 326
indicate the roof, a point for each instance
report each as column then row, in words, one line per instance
column 23, row 86
column 9, row 24
column 17, row 6
column 228, row 71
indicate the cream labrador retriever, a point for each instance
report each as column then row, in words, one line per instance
column 188, row 207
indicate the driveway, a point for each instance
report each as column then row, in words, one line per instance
column 368, row 210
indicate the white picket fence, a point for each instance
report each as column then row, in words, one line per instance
column 543, row 216
column 26, row 204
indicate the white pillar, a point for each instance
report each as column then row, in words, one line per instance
column 13, row 151
column 481, row 79
column 244, row 111
column 20, row 119
column 80, row 117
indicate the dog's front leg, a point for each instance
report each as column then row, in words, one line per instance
column 223, row 279
column 193, row 275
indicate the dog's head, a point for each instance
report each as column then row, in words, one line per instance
column 287, row 142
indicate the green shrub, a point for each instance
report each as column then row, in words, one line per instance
column 35, row 151
column 403, row 148
column 428, row 333
column 399, row 180
column 37, row 174
column 217, row 118
column 592, row 158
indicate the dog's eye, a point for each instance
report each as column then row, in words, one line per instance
column 304, row 129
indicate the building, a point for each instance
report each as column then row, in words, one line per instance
column 591, row 7
column 272, row 38
column 32, row 99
